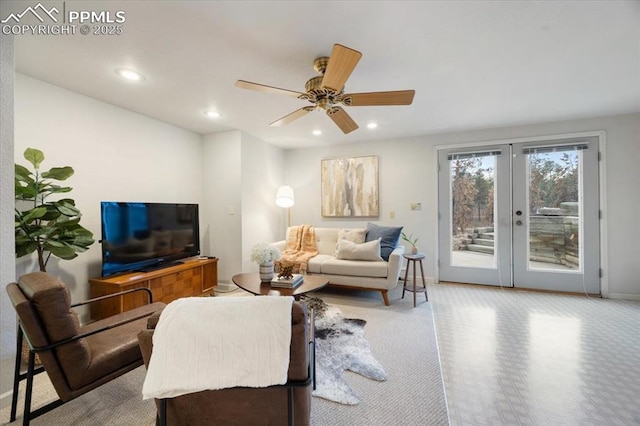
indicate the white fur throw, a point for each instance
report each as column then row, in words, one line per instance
column 208, row 343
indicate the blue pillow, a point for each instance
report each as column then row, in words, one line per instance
column 389, row 237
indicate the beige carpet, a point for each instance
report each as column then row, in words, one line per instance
column 402, row 338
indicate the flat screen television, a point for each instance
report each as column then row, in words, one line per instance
column 145, row 236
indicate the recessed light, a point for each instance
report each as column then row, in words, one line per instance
column 129, row 74
column 212, row 114
column 317, row 132
column 372, row 125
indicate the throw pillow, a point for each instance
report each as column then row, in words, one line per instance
column 389, row 237
column 355, row 235
column 348, row 250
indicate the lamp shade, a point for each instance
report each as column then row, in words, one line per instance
column 284, row 196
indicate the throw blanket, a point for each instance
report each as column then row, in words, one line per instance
column 207, row 343
column 301, row 246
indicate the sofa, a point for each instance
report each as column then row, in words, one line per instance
column 342, row 253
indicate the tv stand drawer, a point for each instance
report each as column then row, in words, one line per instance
column 194, row 277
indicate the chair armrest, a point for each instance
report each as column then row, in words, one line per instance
column 83, row 335
column 96, row 299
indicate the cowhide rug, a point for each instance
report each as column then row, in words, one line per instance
column 340, row 346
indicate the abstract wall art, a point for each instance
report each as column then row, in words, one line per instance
column 350, row 187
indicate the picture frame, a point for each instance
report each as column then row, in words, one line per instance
column 349, row 187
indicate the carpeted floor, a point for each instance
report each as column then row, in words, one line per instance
column 402, row 338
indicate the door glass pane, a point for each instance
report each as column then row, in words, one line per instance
column 473, row 240
column 554, row 210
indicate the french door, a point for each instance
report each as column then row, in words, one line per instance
column 521, row 215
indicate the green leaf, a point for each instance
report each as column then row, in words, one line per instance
column 56, row 189
column 83, row 243
column 22, row 173
column 26, row 248
column 53, row 243
column 83, row 232
column 67, row 209
column 68, row 201
column 34, row 156
column 52, row 212
column 33, row 214
column 24, row 192
column 58, row 173
column 71, row 224
column 62, row 251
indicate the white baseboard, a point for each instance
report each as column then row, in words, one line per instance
column 429, row 280
column 5, row 399
column 623, row 296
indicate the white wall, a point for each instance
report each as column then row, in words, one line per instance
column 262, row 173
column 123, row 156
column 241, row 175
column 117, row 155
column 222, row 201
column 120, row 155
column 407, row 170
column 7, row 247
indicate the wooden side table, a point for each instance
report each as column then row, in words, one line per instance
column 413, row 259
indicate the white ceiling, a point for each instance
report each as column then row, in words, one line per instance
column 472, row 64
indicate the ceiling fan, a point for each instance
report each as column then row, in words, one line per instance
column 326, row 91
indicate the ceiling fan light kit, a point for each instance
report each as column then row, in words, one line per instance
column 326, row 91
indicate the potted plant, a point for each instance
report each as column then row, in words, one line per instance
column 264, row 254
column 411, row 240
column 46, row 227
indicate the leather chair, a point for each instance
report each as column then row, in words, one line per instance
column 274, row 405
column 76, row 358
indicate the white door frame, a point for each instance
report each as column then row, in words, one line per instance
column 600, row 134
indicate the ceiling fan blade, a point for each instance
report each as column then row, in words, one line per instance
column 268, row 89
column 342, row 119
column 341, row 64
column 293, row 116
column 398, row 97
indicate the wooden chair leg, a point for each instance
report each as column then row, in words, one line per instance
column 385, row 297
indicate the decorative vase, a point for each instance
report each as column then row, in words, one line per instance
column 266, row 271
column 414, row 250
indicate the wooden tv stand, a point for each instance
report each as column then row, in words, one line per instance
column 194, row 277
